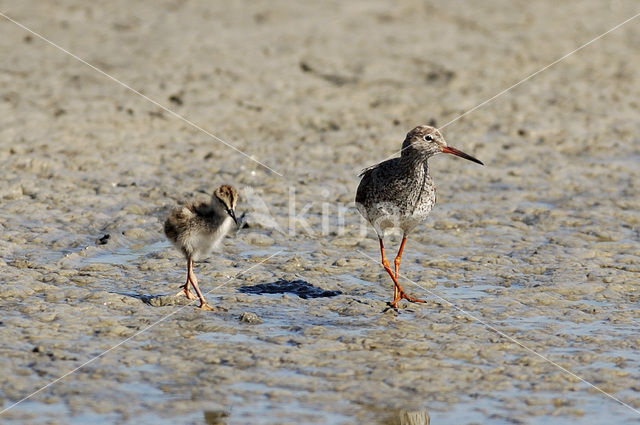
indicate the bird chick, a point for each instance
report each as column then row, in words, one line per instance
column 197, row 228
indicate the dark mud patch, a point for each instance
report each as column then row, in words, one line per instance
column 297, row 287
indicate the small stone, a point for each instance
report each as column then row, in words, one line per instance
column 215, row 417
column 176, row 99
column 250, row 318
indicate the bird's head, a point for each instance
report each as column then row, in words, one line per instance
column 426, row 141
column 226, row 198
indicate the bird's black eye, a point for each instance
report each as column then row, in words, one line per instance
column 428, row 138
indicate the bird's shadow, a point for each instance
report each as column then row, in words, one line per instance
column 298, row 287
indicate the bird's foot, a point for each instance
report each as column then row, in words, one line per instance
column 411, row 299
column 394, row 304
column 400, row 296
column 186, row 293
column 206, row 307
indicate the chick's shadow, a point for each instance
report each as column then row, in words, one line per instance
column 299, row 287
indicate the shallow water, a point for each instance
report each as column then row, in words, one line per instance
column 541, row 244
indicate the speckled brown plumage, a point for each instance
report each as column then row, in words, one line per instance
column 197, row 228
column 400, row 192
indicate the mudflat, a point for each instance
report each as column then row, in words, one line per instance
column 530, row 265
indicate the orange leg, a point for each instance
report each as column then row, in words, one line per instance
column 398, row 292
column 185, row 288
column 399, row 256
column 191, row 276
column 397, row 264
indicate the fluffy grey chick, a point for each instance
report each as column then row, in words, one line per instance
column 197, row 229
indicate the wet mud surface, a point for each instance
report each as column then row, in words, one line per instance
column 537, row 252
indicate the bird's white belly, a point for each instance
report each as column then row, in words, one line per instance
column 203, row 243
column 202, row 247
column 387, row 216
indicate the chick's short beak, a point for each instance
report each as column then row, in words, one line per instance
column 232, row 213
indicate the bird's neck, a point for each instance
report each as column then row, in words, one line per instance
column 415, row 162
column 217, row 208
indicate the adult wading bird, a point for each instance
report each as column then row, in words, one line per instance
column 197, row 228
column 400, row 193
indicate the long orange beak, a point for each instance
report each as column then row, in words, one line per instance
column 456, row 152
